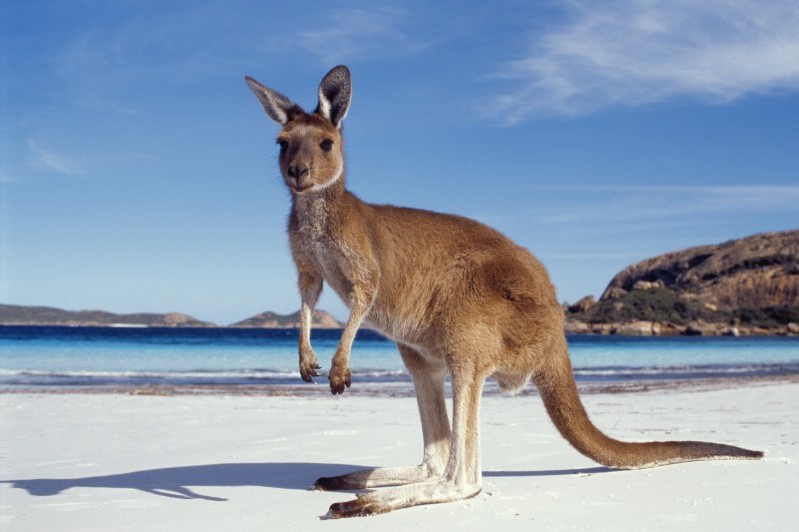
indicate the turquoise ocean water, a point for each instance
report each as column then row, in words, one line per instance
column 33, row 357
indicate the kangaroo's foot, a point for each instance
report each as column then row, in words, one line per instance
column 383, row 501
column 377, row 477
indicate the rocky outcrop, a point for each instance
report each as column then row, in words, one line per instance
column 271, row 320
column 757, row 272
column 582, row 305
column 745, row 286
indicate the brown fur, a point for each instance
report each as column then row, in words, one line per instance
column 458, row 297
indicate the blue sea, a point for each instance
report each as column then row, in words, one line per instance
column 59, row 357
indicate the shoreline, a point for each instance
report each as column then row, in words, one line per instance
column 398, row 389
column 573, row 327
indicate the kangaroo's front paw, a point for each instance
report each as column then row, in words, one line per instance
column 308, row 365
column 340, row 378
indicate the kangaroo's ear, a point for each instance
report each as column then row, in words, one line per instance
column 335, row 93
column 278, row 107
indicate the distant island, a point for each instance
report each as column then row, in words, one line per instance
column 43, row 316
column 748, row 286
column 271, row 320
column 24, row 315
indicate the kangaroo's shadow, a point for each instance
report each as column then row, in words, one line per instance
column 174, row 482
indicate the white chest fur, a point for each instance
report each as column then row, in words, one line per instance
column 313, row 220
column 319, row 244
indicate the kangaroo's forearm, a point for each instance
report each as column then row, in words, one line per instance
column 310, row 288
column 361, row 300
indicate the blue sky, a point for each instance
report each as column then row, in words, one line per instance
column 138, row 172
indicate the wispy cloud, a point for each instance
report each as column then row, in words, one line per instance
column 358, row 33
column 603, row 208
column 639, row 52
column 47, row 160
column 643, row 204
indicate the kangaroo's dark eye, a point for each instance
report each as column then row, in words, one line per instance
column 283, row 143
column 326, row 144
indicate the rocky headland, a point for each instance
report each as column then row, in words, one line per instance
column 748, row 286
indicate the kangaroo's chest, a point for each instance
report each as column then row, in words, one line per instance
column 327, row 258
column 326, row 253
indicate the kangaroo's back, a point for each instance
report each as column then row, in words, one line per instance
column 438, row 268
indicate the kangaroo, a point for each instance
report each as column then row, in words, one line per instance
column 458, row 298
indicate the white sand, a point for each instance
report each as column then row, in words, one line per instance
column 119, row 462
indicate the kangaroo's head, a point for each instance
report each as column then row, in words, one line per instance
column 311, row 145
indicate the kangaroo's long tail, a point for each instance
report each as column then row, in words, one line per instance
column 559, row 392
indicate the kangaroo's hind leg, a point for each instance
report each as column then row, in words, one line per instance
column 462, row 477
column 428, row 380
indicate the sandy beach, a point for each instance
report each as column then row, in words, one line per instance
column 117, row 461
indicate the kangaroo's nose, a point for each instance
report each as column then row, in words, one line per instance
column 298, row 171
